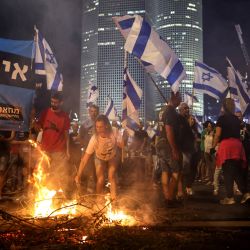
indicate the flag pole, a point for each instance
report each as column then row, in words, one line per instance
column 125, row 67
column 152, row 79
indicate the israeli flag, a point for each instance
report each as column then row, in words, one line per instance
column 190, row 99
column 93, row 94
column 46, row 64
column 145, row 44
column 132, row 95
column 209, row 81
column 124, row 24
column 235, row 82
column 110, row 110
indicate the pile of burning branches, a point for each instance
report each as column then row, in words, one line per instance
column 62, row 228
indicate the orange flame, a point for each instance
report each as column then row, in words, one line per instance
column 43, row 204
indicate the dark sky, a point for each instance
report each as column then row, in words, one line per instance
column 60, row 23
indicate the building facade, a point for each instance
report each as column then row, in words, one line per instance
column 179, row 22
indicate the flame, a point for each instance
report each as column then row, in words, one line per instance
column 117, row 216
column 44, row 197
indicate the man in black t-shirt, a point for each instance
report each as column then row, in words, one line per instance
column 168, row 150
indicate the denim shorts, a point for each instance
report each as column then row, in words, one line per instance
column 115, row 160
column 166, row 161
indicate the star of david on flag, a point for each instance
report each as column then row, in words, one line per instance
column 46, row 64
column 209, row 81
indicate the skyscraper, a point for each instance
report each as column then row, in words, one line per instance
column 179, row 22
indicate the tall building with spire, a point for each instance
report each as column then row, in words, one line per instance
column 179, row 22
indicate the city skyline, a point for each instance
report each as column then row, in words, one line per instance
column 60, row 23
column 177, row 22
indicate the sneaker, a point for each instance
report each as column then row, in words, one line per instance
column 227, row 201
column 216, row 192
column 245, row 197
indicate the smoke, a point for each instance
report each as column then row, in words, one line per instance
column 59, row 21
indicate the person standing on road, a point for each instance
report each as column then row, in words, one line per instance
column 168, row 150
column 55, row 124
column 230, row 154
column 103, row 144
column 86, row 130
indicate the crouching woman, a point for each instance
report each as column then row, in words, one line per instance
column 104, row 144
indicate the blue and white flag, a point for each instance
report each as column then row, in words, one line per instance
column 132, row 95
column 235, row 82
column 93, row 94
column 110, row 111
column 190, row 99
column 146, row 44
column 46, row 64
column 209, row 81
column 124, row 24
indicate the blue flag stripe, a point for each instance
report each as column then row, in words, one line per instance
column 39, row 66
column 233, row 90
column 208, row 88
column 175, row 73
column 126, row 24
column 110, row 108
column 142, row 39
column 203, row 66
column 242, row 92
column 57, row 81
column 132, row 94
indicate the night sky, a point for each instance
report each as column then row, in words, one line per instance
column 60, row 23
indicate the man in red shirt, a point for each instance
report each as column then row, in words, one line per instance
column 55, row 125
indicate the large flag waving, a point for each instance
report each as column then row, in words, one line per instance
column 146, row 44
column 110, row 110
column 93, row 94
column 46, row 64
column 132, row 95
column 209, row 81
column 235, row 82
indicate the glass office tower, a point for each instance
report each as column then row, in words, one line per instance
column 179, row 22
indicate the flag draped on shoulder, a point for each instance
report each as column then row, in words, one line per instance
column 146, row 44
column 110, row 111
column 93, row 94
column 209, row 81
column 46, row 64
column 132, row 95
column 237, row 88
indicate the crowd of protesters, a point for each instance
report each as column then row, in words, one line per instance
column 170, row 155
